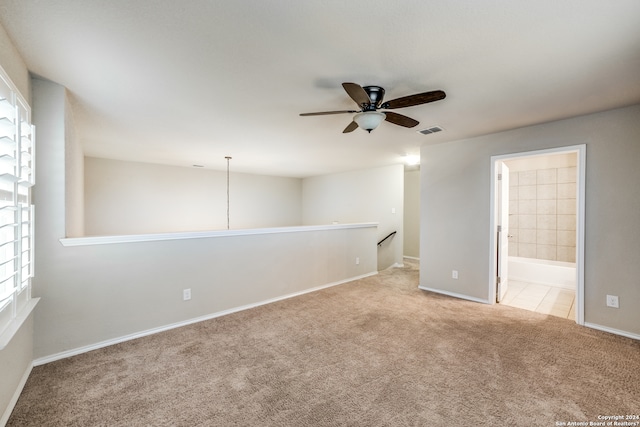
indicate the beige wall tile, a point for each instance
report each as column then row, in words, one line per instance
column 546, row 191
column 546, row 207
column 526, row 221
column 527, row 250
column 546, row 237
column 513, row 179
column 546, row 176
column 546, row 222
column 527, row 178
column 542, row 210
column 566, row 238
column 527, row 192
column 567, row 191
column 546, row 252
column 566, row 222
column 526, row 235
column 513, row 249
column 566, row 253
column 513, row 207
column 567, row 174
column 513, row 221
column 527, row 207
column 567, row 207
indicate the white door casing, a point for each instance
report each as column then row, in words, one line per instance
column 502, row 276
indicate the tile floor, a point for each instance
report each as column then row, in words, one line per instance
column 541, row 299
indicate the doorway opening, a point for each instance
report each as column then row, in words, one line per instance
column 537, row 231
column 411, row 211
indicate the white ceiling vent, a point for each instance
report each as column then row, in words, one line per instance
column 432, row 129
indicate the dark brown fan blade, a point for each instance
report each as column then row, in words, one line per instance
column 352, row 126
column 357, row 93
column 400, row 120
column 417, row 99
column 324, row 113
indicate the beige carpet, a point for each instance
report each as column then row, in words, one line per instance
column 373, row 352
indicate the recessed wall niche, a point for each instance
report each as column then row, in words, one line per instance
column 542, row 207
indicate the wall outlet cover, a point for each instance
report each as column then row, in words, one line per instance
column 613, row 301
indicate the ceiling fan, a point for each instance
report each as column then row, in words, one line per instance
column 369, row 99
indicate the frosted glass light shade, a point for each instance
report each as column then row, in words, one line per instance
column 369, row 120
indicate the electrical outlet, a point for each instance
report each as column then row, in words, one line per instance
column 613, row 301
column 454, row 274
column 357, row 260
column 186, row 294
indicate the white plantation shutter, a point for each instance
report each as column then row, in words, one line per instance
column 16, row 211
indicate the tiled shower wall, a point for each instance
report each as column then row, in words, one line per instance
column 542, row 214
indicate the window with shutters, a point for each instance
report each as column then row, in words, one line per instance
column 17, row 157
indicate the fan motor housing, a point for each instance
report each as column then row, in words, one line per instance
column 376, row 95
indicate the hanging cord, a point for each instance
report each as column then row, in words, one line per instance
column 228, row 158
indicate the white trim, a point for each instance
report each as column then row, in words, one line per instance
column 453, row 294
column 581, row 227
column 612, row 330
column 131, row 238
column 395, row 265
column 16, row 395
column 411, row 257
column 102, row 344
column 580, row 150
column 16, row 322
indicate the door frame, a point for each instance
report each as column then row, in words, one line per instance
column 580, row 151
column 502, row 229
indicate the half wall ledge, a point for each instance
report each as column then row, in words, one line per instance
column 133, row 238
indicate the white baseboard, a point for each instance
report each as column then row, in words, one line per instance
column 395, row 265
column 16, row 396
column 612, row 330
column 455, row 295
column 102, row 344
column 411, row 257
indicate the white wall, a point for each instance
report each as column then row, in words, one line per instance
column 412, row 213
column 13, row 65
column 15, row 366
column 74, row 189
column 16, row 358
column 138, row 198
column 455, row 204
column 360, row 196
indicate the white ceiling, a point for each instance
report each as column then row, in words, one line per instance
column 190, row 82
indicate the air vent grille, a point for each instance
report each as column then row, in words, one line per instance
column 432, row 129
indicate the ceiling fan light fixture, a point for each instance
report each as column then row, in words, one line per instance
column 369, row 120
